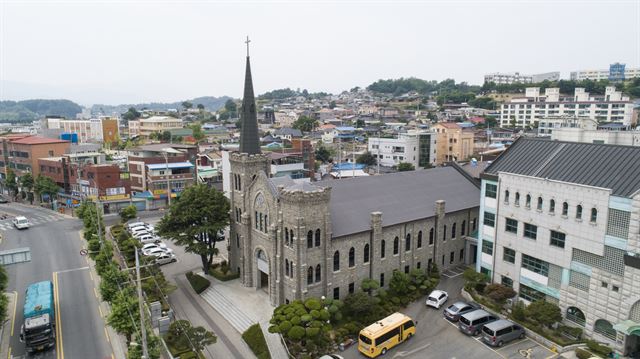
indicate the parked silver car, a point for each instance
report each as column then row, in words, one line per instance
column 472, row 322
column 457, row 309
column 501, row 331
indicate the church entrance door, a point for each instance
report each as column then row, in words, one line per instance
column 263, row 271
column 264, row 281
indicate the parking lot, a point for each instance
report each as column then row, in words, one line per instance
column 436, row 337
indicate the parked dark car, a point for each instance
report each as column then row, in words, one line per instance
column 455, row 310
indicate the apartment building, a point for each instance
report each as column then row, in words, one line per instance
column 616, row 72
column 20, row 153
column 155, row 124
column 453, row 143
column 151, row 167
column 591, row 135
column 505, row 78
column 102, row 130
column 85, row 176
column 415, row 147
column 134, row 128
column 548, row 125
column 534, row 107
column 559, row 221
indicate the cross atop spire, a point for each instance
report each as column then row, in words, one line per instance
column 247, row 42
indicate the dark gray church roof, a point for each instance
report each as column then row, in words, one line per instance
column 608, row 166
column 401, row 197
column 249, row 139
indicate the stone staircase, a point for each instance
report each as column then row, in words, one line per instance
column 240, row 321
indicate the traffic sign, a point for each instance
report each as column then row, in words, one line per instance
column 84, row 252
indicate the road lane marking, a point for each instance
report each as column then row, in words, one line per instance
column 100, row 310
column 106, row 334
column 405, row 353
column 91, row 276
column 9, row 355
column 60, row 348
column 15, row 306
column 113, row 356
column 513, row 343
column 95, row 292
column 72, row 270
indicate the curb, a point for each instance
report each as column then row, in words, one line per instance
column 5, row 328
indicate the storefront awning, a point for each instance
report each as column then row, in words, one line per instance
column 628, row 327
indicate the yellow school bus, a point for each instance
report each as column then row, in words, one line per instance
column 385, row 334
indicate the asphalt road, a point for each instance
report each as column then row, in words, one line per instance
column 55, row 246
column 435, row 336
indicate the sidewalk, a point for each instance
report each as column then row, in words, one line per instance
column 190, row 306
column 242, row 307
column 5, row 329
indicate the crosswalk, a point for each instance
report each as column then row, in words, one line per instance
column 34, row 219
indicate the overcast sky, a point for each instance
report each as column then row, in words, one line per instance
column 128, row 52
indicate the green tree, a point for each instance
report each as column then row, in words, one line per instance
column 332, row 105
column 305, row 124
column 367, row 159
column 122, row 318
column 406, row 166
column 11, row 182
column 165, row 136
column 197, row 221
column 128, row 213
column 45, row 186
column 474, row 280
column 187, row 105
column 368, row 285
column 499, row 293
column 200, row 107
column 231, row 106
column 323, row 154
column 544, row 313
column 185, row 335
column 131, row 114
column 198, row 134
column 112, row 279
column 4, row 301
column 400, row 282
column 27, row 183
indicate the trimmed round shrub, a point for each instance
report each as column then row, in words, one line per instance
column 296, row 332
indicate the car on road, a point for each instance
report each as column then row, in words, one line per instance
column 437, row 298
column 148, row 238
column 157, row 251
column 455, row 310
column 141, row 233
column 3, row 199
column 501, row 331
column 21, row 222
column 472, row 322
column 165, row 258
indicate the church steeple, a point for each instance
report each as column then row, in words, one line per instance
column 249, row 140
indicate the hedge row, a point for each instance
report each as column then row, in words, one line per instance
column 198, row 282
column 255, row 339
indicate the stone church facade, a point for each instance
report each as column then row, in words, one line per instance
column 297, row 240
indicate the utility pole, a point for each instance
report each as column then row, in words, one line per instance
column 143, row 328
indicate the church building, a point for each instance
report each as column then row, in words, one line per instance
column 299, row 240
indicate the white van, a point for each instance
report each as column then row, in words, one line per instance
column 21, row 222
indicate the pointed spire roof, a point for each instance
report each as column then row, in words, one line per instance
column 249, row 140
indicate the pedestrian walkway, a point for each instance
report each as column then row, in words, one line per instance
column 243, row 307
column 35, row 219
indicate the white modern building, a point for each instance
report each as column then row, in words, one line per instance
column 548, row 125
column 602, row 136
column 559, row 221
column 415, row 147
column 502, row 78
column 616, row 72
column 534, row 107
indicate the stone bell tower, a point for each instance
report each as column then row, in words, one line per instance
column 245, row 166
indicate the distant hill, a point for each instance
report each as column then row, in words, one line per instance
column 210, row 103
column 30, row 110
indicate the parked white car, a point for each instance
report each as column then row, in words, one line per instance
column 135, row 224
column 149, row 246
column 21, row 222
column 148, row 238
column 166, row 258
column 141, row 233
column 437, row 298
column 158, row 251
